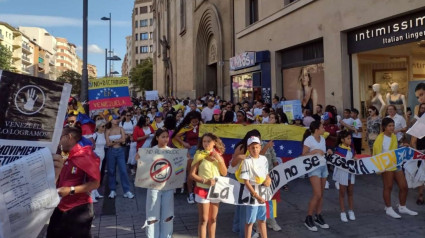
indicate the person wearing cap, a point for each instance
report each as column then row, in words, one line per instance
column 158, row 122
column 254, row 171
column 216, row 117
column 208, row 112
column 249, row 117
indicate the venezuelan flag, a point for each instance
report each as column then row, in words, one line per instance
column 106, row 93
column 287, row 138
column 271, row 209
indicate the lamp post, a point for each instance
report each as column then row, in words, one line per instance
column 110, row 52
column 84, row 81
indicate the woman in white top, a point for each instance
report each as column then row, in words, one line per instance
column 128, row 125
column 99, row 149
column 314, row 143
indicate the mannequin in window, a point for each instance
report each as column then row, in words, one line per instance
column 377, row 100
column 397, row 99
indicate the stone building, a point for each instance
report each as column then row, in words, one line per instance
column 193, row 41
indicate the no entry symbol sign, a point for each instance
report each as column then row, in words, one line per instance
column 161, row 170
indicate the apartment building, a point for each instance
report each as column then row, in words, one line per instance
column 126, row 64
column 142, row 32
column 92, row 70
column 44, row 52
column 66, row 57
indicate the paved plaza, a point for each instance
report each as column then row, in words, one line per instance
column 124, row 217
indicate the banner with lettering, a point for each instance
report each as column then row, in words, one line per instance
column 161, row 169
column 32, row 111
column 230, row 191
column 376, row 164
column 107, row 93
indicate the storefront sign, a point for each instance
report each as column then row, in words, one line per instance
column 244, row 60
column 401, row 30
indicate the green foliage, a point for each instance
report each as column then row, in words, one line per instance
column 5, row 58
column 142, row 75
column 73, row 78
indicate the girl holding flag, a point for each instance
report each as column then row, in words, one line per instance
column 384, row 142
column 345, row 179
column 207, row 164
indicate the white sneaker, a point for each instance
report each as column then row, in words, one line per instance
column 327, row 185
column 272, row 224
column 390, row 212
column 112, row 194
column 128, row 195
column 344, row 217
column 405, row 210
column 351, row 215
column 337, row 185
column 191, row 198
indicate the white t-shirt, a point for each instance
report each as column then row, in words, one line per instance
column 128, row 127
column 253, row 169
column 386, row 144
column 258, row 111
column 207, row 114
column 357, row 124
column 399, row 123
column 312, row 143
column 100, row 144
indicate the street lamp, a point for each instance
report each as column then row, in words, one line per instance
column 110, row 52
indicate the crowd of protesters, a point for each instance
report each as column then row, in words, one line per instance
column 115, row 135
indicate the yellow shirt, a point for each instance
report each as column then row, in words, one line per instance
column 206, row 169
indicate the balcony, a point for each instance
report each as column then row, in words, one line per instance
column 16, row 45
column 52, row 62
column 26, row 48
column 41, row 65
column 1, row 37
column 26, row 60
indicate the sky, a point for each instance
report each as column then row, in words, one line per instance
column 64, row 19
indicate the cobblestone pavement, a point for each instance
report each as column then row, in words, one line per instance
column 124, row 217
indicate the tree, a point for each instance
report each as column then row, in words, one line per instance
column 73, row 78
column 142, row 75
column 5, row 58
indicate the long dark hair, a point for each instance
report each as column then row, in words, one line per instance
column 282, row 116
column 154, row 141
column 228, row 117
column 141, row 122
column 219, row 145
column 243, row 143
column 315, row 125
column 186, row 121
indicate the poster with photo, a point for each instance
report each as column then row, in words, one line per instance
column 305, row 83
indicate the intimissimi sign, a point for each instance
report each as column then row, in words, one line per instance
column 401, row 30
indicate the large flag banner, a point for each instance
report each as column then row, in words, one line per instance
column 28, row 195
column 287, row 138
column 106, row 93
column 32, row 111
column 230, row 191
column 161, row 169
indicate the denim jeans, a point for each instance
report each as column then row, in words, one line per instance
column 159, row 207
column 117, row 156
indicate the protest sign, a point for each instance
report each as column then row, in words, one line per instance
column 161, row 169
column 28, row 195
column 375, row 164
column 32, row 111
column 230, row 191
column 292, row 109
column 151, row 95
column 107, row 93
column 418, row 129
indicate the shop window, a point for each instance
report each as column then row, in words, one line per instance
column 253, row 11
column 303, row 54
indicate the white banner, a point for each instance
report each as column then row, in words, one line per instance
column 161, row 169
column 230, row 191
column 28, row 195
column 151, row 95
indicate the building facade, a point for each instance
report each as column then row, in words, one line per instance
column 193, row 42
column 126, row 64
column 66, row 57
column 92, row 70
column 331, row 52
column 142, row 33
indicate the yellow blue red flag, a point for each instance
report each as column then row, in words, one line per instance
column 107, row 93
